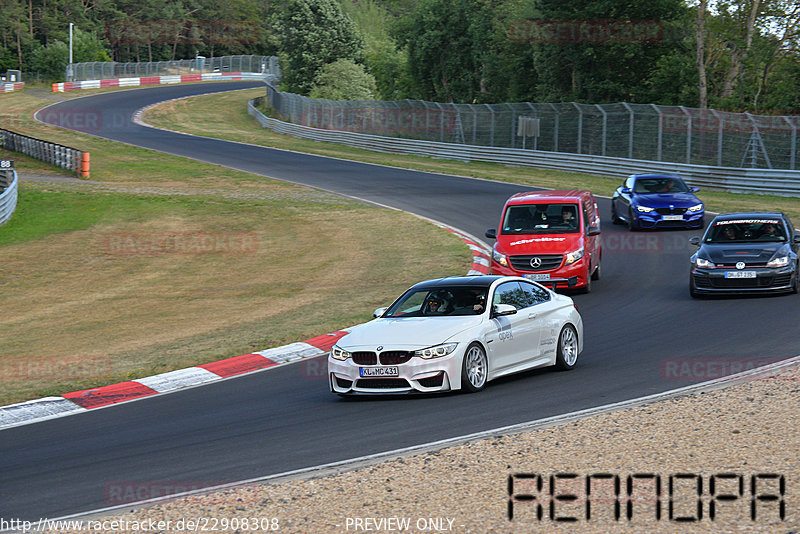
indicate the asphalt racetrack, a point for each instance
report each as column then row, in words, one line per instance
column 643, row 335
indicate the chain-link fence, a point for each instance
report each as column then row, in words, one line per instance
column 105, row 70
column 634, row 131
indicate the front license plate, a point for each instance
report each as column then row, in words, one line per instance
column 377, row 372
column 673, row 217
column 542, row 276
column 740, row 274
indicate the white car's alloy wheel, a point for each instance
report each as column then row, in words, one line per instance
column 476, row 368
column 567, row 348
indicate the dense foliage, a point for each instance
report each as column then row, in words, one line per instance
column 729, row 54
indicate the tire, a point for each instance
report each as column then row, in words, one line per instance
column 589, row 277
column 614, row 217
column 596, row 273
column 692, row 290
column 796, row 284
column 631, row 224
column 567, row 350
column 474, row 369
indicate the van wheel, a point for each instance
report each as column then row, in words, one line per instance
column 589, row 277
column 596, row 273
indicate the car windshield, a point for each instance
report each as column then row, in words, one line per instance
column 660, row 185
column 745, row 231
column 440, row 301
column 555, row 218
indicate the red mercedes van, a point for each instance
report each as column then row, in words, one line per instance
column 546, row 235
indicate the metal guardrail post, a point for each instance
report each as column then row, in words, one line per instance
column 688, row 134
column 793, row 149
column 719, row 136
column 605, row 128
column 580, row 126
column 630, row 129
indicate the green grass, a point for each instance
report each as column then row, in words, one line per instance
column 321, row 263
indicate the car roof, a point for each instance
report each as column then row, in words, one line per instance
column 749, row 215
column 465, row 281
column 563, row 195
column 656, row 175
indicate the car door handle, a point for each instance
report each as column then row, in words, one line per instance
column 531, row 316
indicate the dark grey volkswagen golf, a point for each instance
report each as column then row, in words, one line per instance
column 746, row 253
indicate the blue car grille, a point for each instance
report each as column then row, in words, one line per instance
column 672, row 211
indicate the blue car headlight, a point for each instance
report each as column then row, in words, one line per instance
column 436, row 352
column 644, row 209
column 696, row 208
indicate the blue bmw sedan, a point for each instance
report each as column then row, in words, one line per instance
column 656, row 201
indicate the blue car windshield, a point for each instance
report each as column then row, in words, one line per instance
column 746, row 231
column 439, row 301
column 660, row 185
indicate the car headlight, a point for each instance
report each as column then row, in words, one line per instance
column 697, row 207
column 502, row 259
column 436, row 352
column 574, row 256
column 704, row 263
column 338, row 353
column 644, row 209
column 781, row 261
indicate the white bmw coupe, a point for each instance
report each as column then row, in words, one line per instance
column 457, row 333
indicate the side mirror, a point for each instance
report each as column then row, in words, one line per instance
column 491, row 233
column 503, row 309
column 797, row 238
column 593, row 230
column 626, row 190
column 695, row 241
column 694, row 189
column 379, row 312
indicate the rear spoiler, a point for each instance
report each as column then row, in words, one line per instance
column 572, row 281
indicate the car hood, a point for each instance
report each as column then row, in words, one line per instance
column 540, row 243
column 664, row 200
column 409, row 333
column 746, row 252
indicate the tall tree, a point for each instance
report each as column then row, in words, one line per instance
column 315, row 33
column 601, row 50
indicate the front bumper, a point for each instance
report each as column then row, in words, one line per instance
column 418, row 375
column 654, row 220
column 766, row 280
column 578, row 269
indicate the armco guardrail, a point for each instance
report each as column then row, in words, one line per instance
column 8, row 194
column 739, row 180
column 59, row 155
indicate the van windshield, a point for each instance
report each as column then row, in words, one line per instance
column 555, row 218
